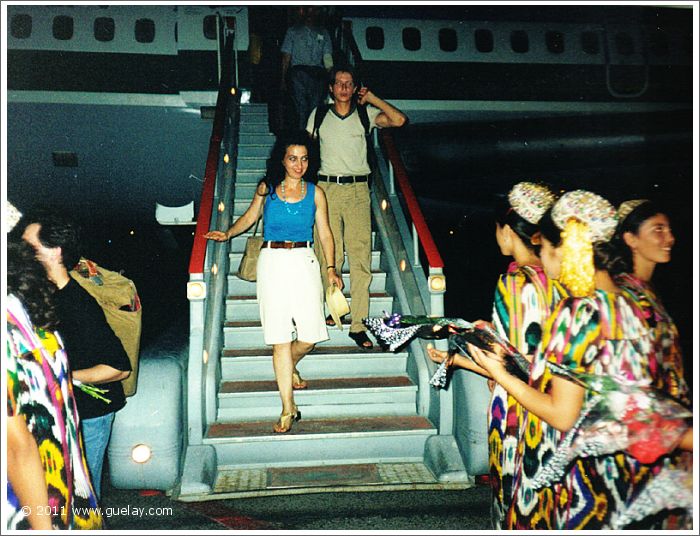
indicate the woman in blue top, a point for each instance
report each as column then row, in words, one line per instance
column 290, row 293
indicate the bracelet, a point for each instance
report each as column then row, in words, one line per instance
column 329, row 267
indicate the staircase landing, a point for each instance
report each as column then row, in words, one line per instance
column 233, row 483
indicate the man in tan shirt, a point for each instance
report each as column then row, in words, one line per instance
column 343, row 176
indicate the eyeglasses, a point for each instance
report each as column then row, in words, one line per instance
column 344, row 85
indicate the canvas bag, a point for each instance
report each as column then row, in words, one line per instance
column 119, row 300
column 248, row 269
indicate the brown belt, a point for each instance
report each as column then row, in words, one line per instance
column 275, row 244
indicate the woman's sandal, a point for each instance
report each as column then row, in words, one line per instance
column 362, row 340
column 297, row 381
column 330, row 321
column 284, row 424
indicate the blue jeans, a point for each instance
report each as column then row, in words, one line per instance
column 96, row 434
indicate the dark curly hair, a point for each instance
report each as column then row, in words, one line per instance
column 604, row 253
column 57, row 231
column 26, row 279
column 275, row 170
column 631, row 224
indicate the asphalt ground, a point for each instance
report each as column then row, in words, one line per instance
column 421, row 511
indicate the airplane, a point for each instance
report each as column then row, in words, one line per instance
column 112, row 111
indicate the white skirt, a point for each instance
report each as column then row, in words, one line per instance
column 290, row 295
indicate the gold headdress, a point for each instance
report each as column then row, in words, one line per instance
column 626, row 208
column 584, row 218
column 530, row 200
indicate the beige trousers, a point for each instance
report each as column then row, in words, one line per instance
column 349, row 217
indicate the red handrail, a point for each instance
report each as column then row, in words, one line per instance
column 199, row 246
column 414, row 210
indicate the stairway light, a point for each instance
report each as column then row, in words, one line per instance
column 205, row 357
column 226, row 158
column 221, row 206
column 402, row 265
column 214, row 268
column 196, row 290
column 437, row 283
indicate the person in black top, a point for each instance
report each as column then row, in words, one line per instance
column 95, row 353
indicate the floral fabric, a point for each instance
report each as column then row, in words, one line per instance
column 39, row 389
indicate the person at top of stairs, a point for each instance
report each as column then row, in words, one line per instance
column 290, row 294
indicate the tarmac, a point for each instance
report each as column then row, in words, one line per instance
column 424, row 511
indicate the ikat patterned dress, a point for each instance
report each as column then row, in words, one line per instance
column 601, row 334
column 523, row 301
column 39, row 388
column 666, row 369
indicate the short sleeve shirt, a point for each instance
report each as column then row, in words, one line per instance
column 307, row 45
column 342, row 142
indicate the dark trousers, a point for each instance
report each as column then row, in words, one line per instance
column 308, row 89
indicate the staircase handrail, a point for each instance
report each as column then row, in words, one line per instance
column 209, row 260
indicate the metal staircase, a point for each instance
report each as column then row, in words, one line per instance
column 360, row 421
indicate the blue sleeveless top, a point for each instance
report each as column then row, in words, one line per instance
column 290, row 221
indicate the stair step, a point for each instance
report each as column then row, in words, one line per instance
column 326, row 360
column 321, row 441
column 239, row 431
column 249, row 150
column 238, row 286
column 250, row 175
column 246, row 307
column 233, row 482
column 257, row 139
column 250, row 163
column 323, row 398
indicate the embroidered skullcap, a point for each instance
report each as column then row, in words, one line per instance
column 12, row 215
column 626, row 208
column 596, row 212
column 530, row 200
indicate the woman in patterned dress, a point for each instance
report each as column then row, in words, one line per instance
column 523, row 300
column 595, row 330
column 644, row 239
column 39, row 391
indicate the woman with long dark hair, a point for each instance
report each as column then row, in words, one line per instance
column 289, row 287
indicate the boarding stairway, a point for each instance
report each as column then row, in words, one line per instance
column 360, row 427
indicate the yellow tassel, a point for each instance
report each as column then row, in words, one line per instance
column 577, row 268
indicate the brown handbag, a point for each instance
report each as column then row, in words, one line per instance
column 248, row 269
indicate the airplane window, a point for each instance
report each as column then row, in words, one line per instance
column 659, row 43
column 624, row 44
column 411, row 38
column 519, row 41
column 483, row 39
column 145, row 30
column 210, row 27
column 374, row 37
column 589, row 43
column 21, row 26
column 448, row 39
column 555, row 42
column 63, row 27
column 104, row 29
